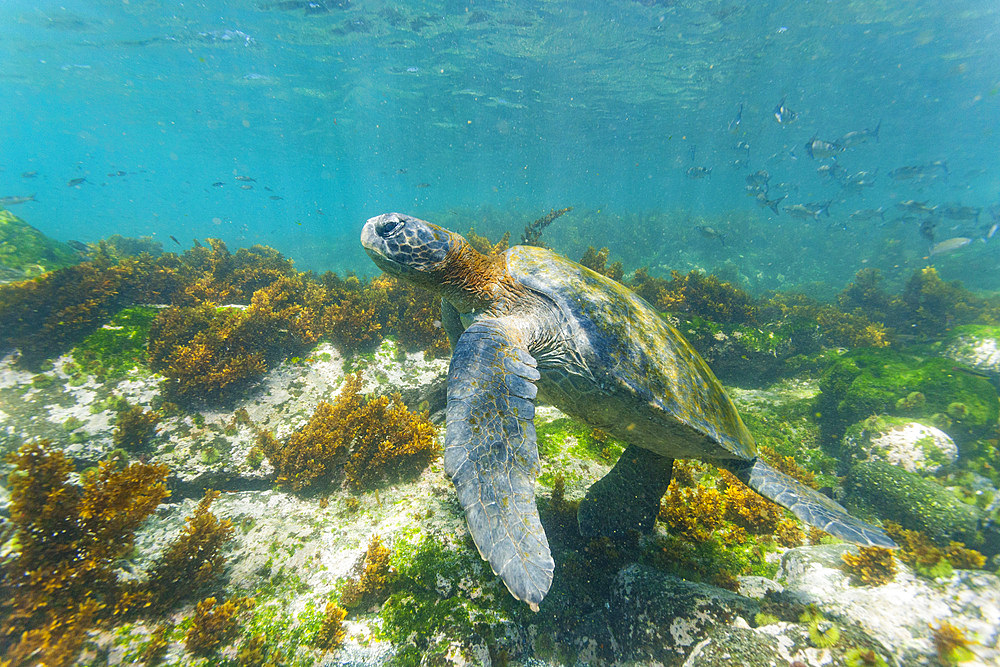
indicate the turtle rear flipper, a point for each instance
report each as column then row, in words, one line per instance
column 807, row 504
column 491, row 455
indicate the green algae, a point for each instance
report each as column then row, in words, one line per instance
column 444, row 593
column 566, row 439
column 25, row 252
column 868, row 382
column 913, row 502
column 117, row 347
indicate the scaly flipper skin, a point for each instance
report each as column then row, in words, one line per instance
column 808, row 504
column 492, row 458
column 625, row 501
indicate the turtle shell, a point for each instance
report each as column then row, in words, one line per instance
column 609, row 359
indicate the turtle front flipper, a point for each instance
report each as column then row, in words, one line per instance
column 492, row 458
column 807, row 504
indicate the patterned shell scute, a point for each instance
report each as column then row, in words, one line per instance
column 632, row 350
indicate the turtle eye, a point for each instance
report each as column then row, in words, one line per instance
column 387, row 228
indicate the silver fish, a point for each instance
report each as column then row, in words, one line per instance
column 862, row 179
column 859, row 136
column 914, row 206
column 711, row 233
column 817, row 148
column 734, row 124
column 759, row 177
column 810, row 211
column 950, row 245
column 783, row 114
column 959, row 212
column 920, row 172
column 772, row 204
column 866, row 214
column 834, row 171
column 699, row 172
column 11, row 201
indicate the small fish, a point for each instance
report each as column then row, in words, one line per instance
column 913, row 206
column 276, row 197
column 740, row 164
column 29, row 174
column 927, row 228
column 858, row 137
column 246, row 179
column 950, row 245
column 423, row 185
column 73, row 182
column 866, row 214
column 247, row 186
column 772, row 204
column 711, row 233
column 861, row 179
column 174, row 239
column 197, row 243
column 698, row 172
column 116, row 173
column 920, row 172
column 834, row 171
column 78, row 246
column 959, row 212
column 818, row 149
column 758, row 178
column 783, row 114
column 742, row 146
column 13, row 200
column 992, row 230
column 401, row 170
column 804, row 211
column 734, row 124
column 218, row 184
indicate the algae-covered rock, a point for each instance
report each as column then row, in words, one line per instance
column 778, row 644
column 26, row 252
column 911, row 501
column 907, row 443
column 870, row 381
column 976, row 346
column 658, row 618
column 900, row 615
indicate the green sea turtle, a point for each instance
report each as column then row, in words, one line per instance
column 528, row 321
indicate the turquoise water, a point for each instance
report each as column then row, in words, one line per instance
column 500, row 111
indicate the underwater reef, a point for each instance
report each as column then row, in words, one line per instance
column 214, row 458
column 25, row 252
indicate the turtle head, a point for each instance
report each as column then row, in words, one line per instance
column 409, row 248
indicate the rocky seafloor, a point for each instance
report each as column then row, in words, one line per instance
column 292, row 552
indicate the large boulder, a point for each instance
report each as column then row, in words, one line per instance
column 902, row 614
column 976, row 346
column 907, row 443
column 911, row 501
column 658, row 618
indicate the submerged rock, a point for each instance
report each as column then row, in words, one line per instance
column 906, row 443
column 658, row 618
column 976, row 346
column 871, row 381
column 912, row 501
column 901, row 614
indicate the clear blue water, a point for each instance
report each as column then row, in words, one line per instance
column 436, row 107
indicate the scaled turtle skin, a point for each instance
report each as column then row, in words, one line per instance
column 529, row 322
